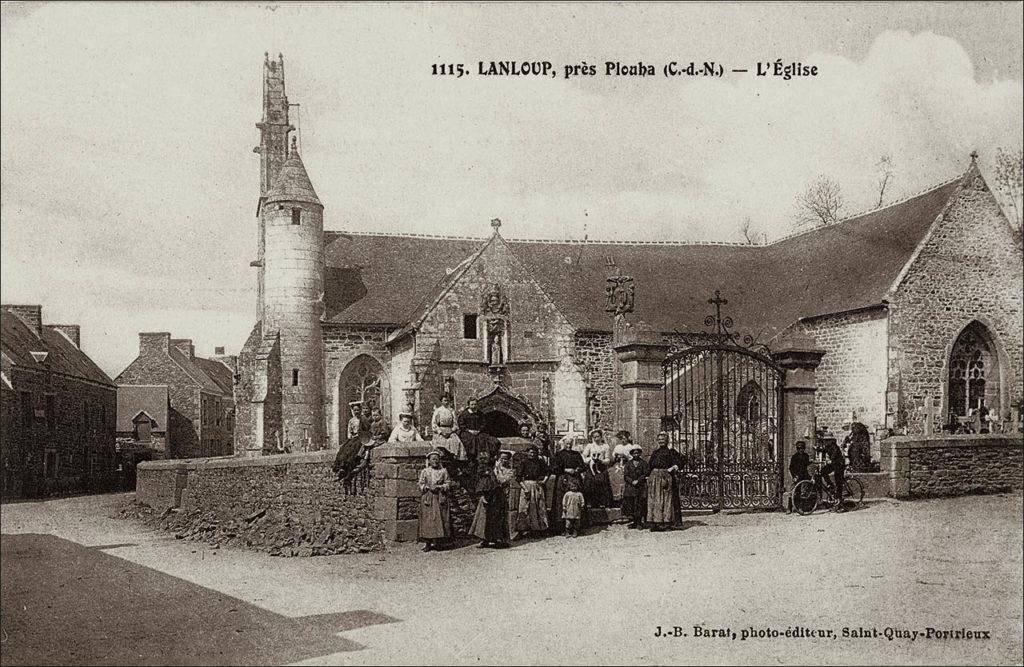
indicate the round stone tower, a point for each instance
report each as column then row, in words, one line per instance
column 293, row 291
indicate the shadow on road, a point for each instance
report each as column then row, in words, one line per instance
column 63, row 603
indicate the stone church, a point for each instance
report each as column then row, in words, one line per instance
column 917, row 307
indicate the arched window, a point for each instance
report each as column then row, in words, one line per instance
column 363, row 381
column 973, row 372
column 750, row 402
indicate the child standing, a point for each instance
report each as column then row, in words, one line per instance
column 572, row 509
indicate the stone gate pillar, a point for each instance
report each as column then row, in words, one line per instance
column 800, row 358
column 641, row 397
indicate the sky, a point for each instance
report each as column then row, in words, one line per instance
column 128, row 184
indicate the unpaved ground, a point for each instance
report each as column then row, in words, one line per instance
column 946, row 564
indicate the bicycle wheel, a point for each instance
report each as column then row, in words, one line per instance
column 853, row 493
column 805, row 497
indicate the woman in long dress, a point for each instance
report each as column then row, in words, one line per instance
column 661, row 506
column 532, row 515
column 434, row 512
column 597, row 455
column 405, row 431
column 490, row 523
column 506, row 476
column 566, row 465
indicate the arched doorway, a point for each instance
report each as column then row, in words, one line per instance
column 362, row 381
column 500, row 424
column 503, row 412
column 974, row 380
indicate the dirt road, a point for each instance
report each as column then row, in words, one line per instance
column 81, row 586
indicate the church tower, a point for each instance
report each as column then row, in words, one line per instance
column 273, row 148
column 291, row 269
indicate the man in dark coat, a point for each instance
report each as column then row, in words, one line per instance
column 836, row 466
column 634, row 491
column 799, row 463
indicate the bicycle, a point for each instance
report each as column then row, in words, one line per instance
column 809, row 494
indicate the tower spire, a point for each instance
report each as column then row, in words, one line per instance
column 274, row 127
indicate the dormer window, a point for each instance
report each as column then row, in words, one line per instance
column 296, row 216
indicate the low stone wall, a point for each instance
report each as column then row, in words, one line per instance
column 297, row 491
column 953, row 465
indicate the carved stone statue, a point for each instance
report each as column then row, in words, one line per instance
column 620, row 294
column 494, row 302
column 495, row 335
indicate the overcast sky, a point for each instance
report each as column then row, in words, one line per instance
column 129, row 183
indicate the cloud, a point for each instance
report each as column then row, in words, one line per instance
column 129, row 185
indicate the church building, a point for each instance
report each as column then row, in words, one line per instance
column 917, row 307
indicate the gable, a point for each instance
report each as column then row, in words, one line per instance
column 536, row 326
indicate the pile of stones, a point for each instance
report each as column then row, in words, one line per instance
column 259, row 531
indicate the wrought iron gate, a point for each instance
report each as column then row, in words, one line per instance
column 723, row 411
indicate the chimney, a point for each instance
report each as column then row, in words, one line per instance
column 219, row 351
column 159, row 341
column 32, row 316
column 72, row 331
column 185, row 346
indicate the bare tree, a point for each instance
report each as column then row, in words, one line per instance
column 750, row 235
column 820, row 204
column 886, row 175
column 1009, row 178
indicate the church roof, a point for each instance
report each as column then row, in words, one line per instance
column 850, row 265
column 292, row 182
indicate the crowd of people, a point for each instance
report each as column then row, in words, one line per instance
column 544, row 490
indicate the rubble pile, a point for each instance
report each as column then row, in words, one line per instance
column 260, row 531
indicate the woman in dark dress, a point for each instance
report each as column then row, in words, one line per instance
column 490, row 523
column 566, row 465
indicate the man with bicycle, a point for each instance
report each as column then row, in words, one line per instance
column 836, row 466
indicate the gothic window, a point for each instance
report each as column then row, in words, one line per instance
column 749, row 402
column 361, row 382
column 973, row 372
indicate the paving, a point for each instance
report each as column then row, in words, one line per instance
column 81, row 586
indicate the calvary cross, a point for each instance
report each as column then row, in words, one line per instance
column 570, row 430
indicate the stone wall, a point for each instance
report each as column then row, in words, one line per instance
column 296, row 494
column 594, row 354
column 953, row 465
column 852, row 375
column 79, row 433
column 296, row 497
column 969, row 269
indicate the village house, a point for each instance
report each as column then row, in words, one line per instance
column 58, row 409
column 174, row 404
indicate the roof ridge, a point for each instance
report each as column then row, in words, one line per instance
column 862, row 213
column 589, row 241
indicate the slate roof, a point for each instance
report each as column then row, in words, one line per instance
column 388, row 279
column 153, row 400
column 218, row 372
column 18, row 342
column 292, row 183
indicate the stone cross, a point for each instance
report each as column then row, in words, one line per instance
column 930, row 412
column 569, row 430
